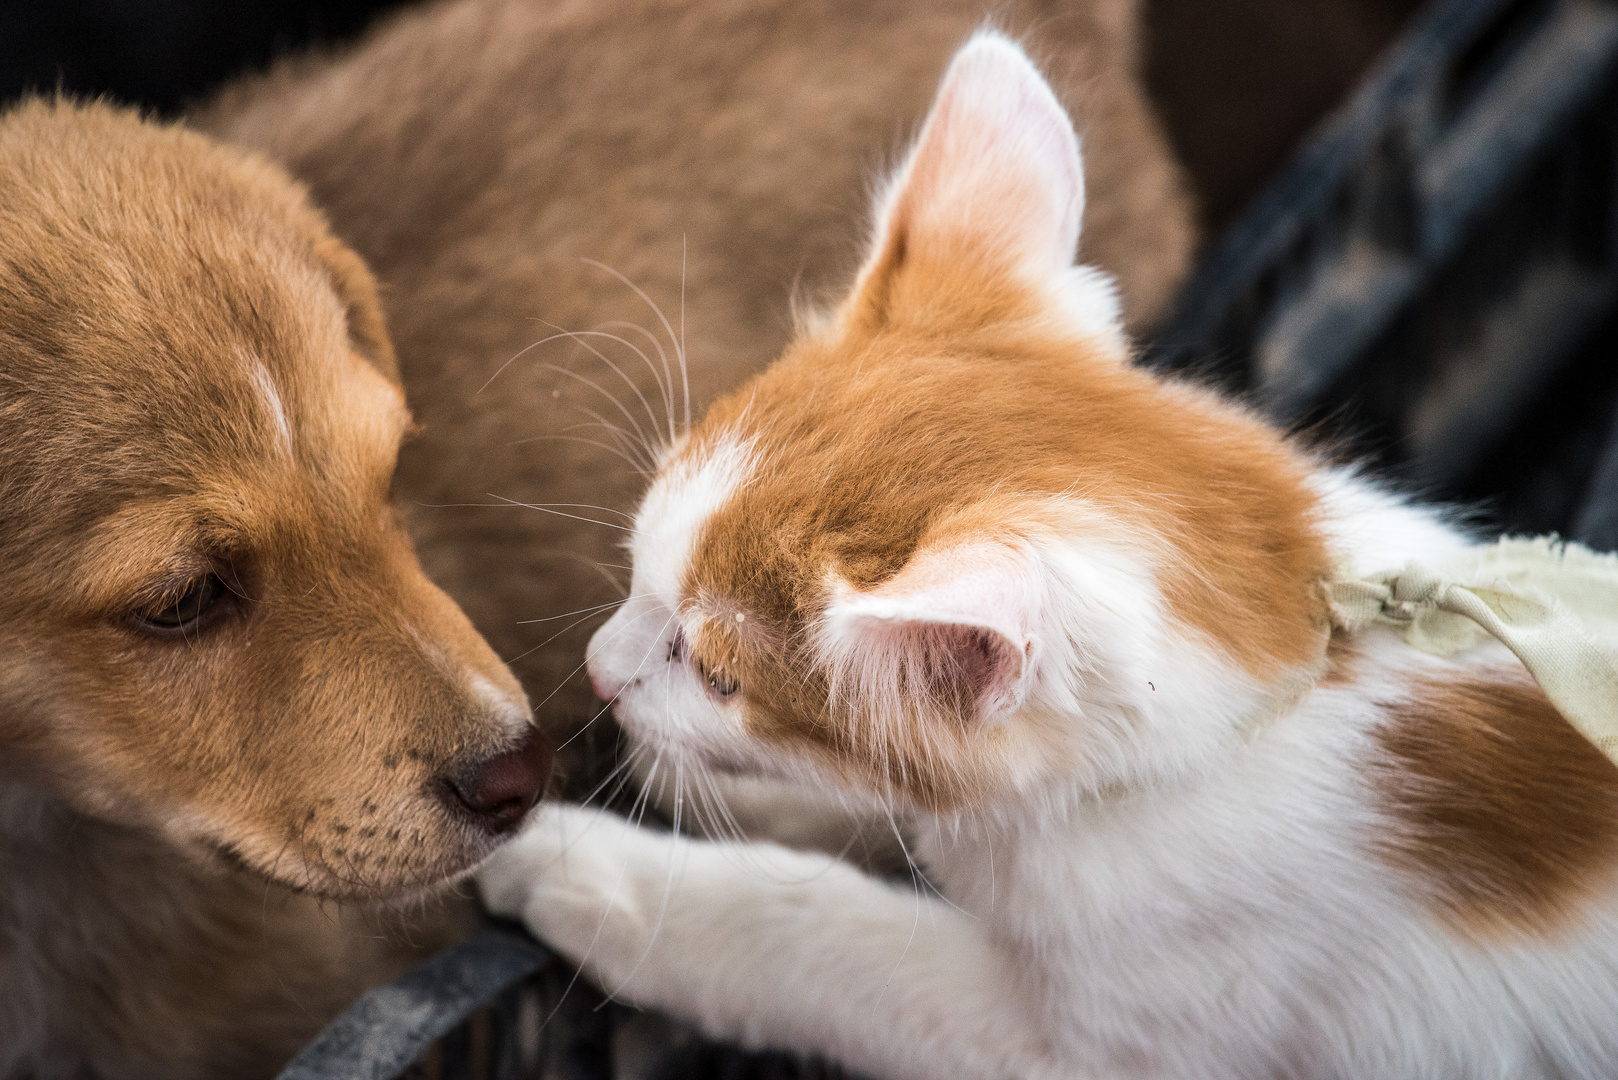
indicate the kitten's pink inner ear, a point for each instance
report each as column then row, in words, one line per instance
column 973, row 672
column 952, row 631
column 996, row 173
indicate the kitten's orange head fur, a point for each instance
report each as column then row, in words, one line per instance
column 211, row 621
column 954, row 518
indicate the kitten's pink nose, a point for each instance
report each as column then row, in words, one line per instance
column 606, row 689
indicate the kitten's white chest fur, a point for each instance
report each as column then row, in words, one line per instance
column 953, row 557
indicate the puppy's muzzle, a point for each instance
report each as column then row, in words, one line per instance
column 498, row 792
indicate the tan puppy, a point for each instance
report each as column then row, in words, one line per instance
column 717, row 155
column 227, row 689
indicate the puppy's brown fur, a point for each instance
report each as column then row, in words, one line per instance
column 717, row 154
column 226, row 687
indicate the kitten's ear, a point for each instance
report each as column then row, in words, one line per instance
column 951, row 633
column 994, row 181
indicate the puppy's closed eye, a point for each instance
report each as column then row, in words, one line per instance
column 184, row 609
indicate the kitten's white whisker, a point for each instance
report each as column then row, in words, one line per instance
column 727, row 817
column 637, row 809
column 665, row 380
column 547, row 510
column 581, row 611
column 598, row 388
column 676, row 848
column 678, row 340
column 606, row 910
column 915, row 924
column 634, row 464
column 708, row 808
column 617, row 772
column 579, row 336
column 520, row 353
column 685, row 382
column 587, row 506
column 642, row 459
column 739, row 849
column 564, row 630
column 600, row 330
column 656, row 641
column 541, row 645
column 503, row 501
column 613, row 797
column 662, row 356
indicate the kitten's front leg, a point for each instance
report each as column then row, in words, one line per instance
column 771, row 947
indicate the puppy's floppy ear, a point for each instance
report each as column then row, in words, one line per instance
column 367, row 326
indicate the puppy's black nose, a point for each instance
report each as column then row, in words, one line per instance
column 499, row 791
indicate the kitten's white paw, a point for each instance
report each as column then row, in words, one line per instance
column 578, row 879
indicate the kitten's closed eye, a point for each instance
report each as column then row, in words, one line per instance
column 720, row 682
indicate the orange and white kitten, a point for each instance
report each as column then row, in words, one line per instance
column 954, row 555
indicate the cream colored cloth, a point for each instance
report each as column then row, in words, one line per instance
column 1553, row 604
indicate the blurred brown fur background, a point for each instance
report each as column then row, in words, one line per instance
column 1236, row 82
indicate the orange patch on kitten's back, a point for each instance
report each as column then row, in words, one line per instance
column 1508, row 813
